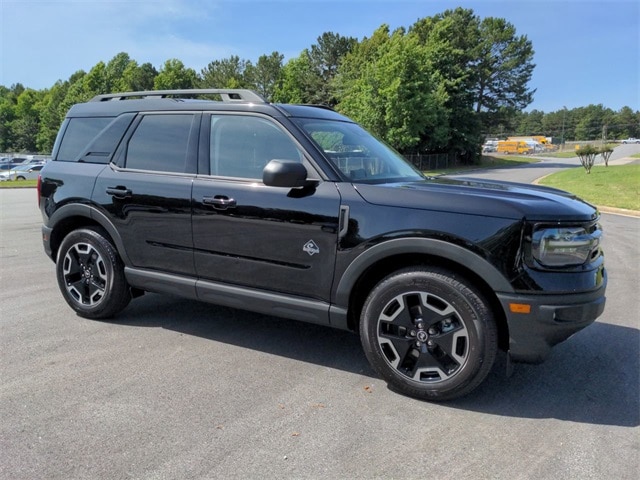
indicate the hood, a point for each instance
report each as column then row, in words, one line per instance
column 481, row 197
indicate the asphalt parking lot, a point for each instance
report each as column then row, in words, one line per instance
column 176, row 389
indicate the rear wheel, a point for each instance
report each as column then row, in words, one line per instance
column 429, row 333
column 91, row 274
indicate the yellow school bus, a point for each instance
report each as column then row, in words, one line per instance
column 513, row 147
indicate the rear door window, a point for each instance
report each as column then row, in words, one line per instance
column 160, row 143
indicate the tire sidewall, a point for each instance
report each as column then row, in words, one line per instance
column 471, row 309
column 114, row 273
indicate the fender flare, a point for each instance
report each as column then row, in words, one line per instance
column 439, row 248
column 89, row 211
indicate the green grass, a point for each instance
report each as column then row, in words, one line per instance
column 487, row 161
column 560, row 154
column 617, row 186
column 19, row 184
column 635, row 155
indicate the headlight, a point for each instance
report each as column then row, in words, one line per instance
column 559, row 247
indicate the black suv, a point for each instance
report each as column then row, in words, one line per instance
column 298, row 212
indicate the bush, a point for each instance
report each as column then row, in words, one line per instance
column 605, row 153
column 587, row 156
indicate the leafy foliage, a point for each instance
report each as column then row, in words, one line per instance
column 384, row 86
column 439, row 86
column 174, row 75
column 605, row 153
column 579, row 124
column 587, row 155
column 309, row 78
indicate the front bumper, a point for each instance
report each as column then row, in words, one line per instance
column 551, row 320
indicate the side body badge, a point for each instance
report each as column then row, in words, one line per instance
column 311, row 248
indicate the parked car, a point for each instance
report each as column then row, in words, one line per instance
column 297, row 211
column 9, row 163
column 22, row 172
column 18, row 160
column 490, row 146
column 631, row 140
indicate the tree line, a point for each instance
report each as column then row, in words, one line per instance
column 441, row 85
column 584, row 123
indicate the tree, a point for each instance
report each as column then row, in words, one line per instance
column 555, row 124
column 384, row 86
column 531, row 123
column 266, row 74
column 450, row 39
column 174, row 75
column 297, row 81
column 605, row 153
column 51, row 116
column 225, row 73
column 325, row 58
column 8, row 100
column 137, row 78
column 114, row 72
column 625, row 124
column 590, row 121
column 504, row 67
column 26, row 124
column 587, row 156
column 96, row 82
column 309, row 78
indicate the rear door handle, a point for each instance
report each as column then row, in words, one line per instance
column 219, row 202
column 119, row 192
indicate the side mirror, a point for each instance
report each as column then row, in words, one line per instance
column 284, row 173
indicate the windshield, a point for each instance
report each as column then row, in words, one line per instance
column 358, row 155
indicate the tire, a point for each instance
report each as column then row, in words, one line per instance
column 446, row 356
column 91, row 274
column 20, row 178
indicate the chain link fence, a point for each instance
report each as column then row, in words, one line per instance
column 434, row 161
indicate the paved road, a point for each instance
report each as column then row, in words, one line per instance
column 621, row 155
column 184, row 390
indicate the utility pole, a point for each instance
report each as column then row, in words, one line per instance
column 564, row 114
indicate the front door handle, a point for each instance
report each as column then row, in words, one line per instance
column 220, row 202
column 119, row 192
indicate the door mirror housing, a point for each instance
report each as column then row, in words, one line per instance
column 284, row 173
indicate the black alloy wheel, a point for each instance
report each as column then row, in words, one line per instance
column 429, row 333
column 91, row 274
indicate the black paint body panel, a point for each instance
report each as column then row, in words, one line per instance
column 303, row 252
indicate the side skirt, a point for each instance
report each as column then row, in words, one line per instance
column 260, row 301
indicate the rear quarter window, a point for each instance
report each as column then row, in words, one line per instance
column 78, row 134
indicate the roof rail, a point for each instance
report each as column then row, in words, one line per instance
column 227, row 94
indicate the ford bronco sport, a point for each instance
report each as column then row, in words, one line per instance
column 298, row 212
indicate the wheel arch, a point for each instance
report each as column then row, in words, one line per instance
column 74, row 216
column 382, row 260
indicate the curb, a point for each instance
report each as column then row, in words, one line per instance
column 619, row 211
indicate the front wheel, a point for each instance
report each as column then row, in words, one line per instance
column 91, row 274
column 429, row 333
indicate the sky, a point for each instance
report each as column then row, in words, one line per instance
column 586, row 51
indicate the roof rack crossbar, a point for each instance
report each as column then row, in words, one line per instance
column 227, row 94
